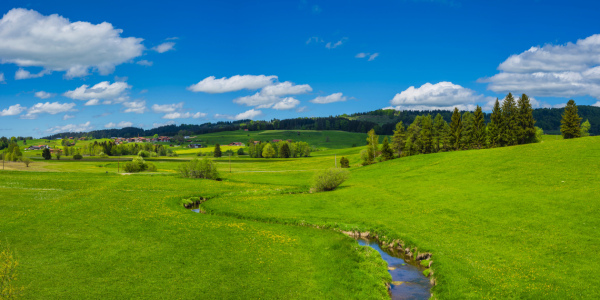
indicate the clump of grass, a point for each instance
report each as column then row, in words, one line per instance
column 8, row 274
column 328, row 180
column 199, row 168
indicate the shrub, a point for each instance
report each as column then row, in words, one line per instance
column 196, row 168
column 138, row 164
column 103, row 155
column 344, row 162
column 26, row 161
column 171, row 153
column 143, row 153
column 240, row 151
column 77, row 156
column 328, row 180
column 199, row 153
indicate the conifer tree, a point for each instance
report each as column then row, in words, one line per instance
column 386, row 151
column 479, row 130
column 526, row 129
column 456, row 129
column 570, row 124
column 408, row 148
column 467, row 134
column 585, row 128
column 399, row 138
column 284, row 150
column 217, row 150
column 447, row 137
column 413, row 131
column 509, row 128
column 493, row 128
column 46, row 154
column 438, row 131
column 426, row 135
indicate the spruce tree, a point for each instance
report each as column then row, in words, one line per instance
column 509, row 128
column 479, row 130
column 570, row 124
column 493, row 128
column 447, row 137
column 399, row 138
column 284, row 150
column 438, row 131
column 526, row 129
column 217, row 152
column 414, row 131
column 386, row 151
column 46, row 154
column 456, row 129
column 426, row 135
column 467, row 134
column 408, row 148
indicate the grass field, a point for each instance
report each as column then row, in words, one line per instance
column 515, row 222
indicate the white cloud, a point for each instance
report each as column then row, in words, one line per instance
column 24, row 74
column 2, row 80
column 336, row 97
column 187, row 115
column 138, row 107
column 597, row 104
column 66, row 117
column 48, row 108
column 103, row 90
column 286, row 103
column 12, row 110
column 373, row 56
column 164, row 47
column 331, row 45
column 44, row 95
column 121, row 124
column 71, row 128
column 155, row 125
column 314, row 39
column 92, row 102
column 302, row 109
column 28, row 38
column 443, row 96
column 250, row 114
column 145, row 63
column 362, row 55
column 234, row 83
column 271, row 95
column 568, row 70
column 167, row 108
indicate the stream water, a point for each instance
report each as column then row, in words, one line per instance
column 408, row 279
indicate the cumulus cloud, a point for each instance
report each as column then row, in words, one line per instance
column 121, row 124
column 24, row 74
column 12, row 110
column 187, row 115
column 272, row 95
column 66, row 117
column 286, row 103
column 234, row 83
column 44, row 95
column 250, row 114
column 101, row 91
column 167, row 108
column 164, row 47
column 71, row 128
column 567, row 70
column 30, row 39
column 442, row 96
column 48, row 108
column 145, row 63
column 92, row 102
column 138, row 107
column 336, row 97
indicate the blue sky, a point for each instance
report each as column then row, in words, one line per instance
column 73, row 66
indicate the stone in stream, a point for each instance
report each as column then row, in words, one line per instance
column 397, row 282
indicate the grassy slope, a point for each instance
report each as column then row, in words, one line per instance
column 516, row 222
column 83, row 235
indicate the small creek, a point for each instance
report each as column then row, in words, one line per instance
column 410, row 283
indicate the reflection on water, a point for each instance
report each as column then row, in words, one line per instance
column 408, row 281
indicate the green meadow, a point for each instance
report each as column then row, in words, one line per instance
column 505, row 223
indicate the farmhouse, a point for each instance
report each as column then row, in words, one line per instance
column 236, row 144
column 196, row 146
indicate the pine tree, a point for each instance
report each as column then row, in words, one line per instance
column 509, row 128
column 585, row 128
column 438, row 131
column 284, row 150
column 479, row 130
column 414, row 131
column 447, row 137
column 570, row 124
column 46, row 154
column 493, row 129
column 399, row 138
column 217, row 150
column 526, row 129
column 467, row 134
column 386, row 151
column 408, row 148
column 426, row 135
column 456, row 129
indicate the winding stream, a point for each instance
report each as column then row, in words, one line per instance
column 408, row 281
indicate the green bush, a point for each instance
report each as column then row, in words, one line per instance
column 240, row 151
column 138, row 164
column 328, row 180
column 344, row 162
column 77, row 156
column 144, row 153
column 103, row 155
column 171, row 153
column 196, row 168
column 26, row 161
